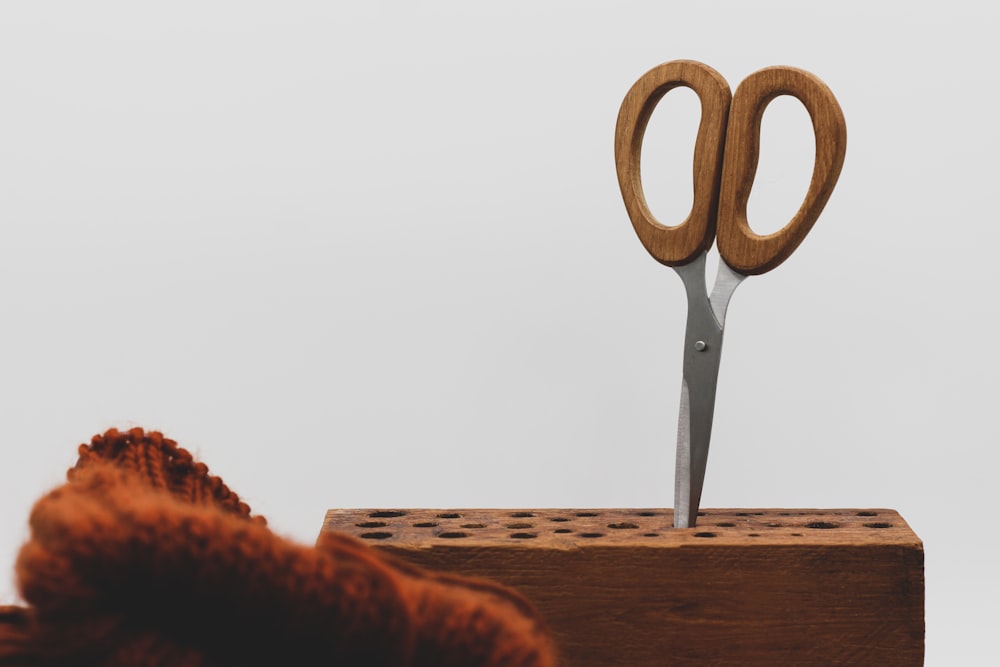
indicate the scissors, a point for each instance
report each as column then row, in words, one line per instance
column 725, row 160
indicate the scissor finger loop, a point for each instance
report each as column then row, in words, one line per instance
column 678, row 244
column 742, row 248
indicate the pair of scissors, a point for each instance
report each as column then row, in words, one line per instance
column 725, row 161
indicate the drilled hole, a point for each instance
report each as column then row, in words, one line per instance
column 773, row 524
column 647, row 513
column 425, row 524
column 623, row 524
column 523, row 536
column 822, row 525
column 453, row 534
column 386, row 514
column 378, row 535
column 753, row 534
column 650, row 534
column 591, row 535
column 562, row 530
column 867, row 513
column 725, row 524
column 878, row 525
column 473, row 525
column 796, row 534
column 519, row 526
column 586, row 514
column 559, row 519
column 449, row 515
column 371, row 524
column 704, row 534
column 521, row 515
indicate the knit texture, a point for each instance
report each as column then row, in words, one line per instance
column 145, row 559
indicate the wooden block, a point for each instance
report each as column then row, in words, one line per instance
column 745, row 587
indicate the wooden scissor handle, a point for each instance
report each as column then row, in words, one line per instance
column 741, row 248
column 681, row 243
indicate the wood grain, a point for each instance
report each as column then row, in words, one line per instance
column 746, row 587
column 679, row 244
column 742, row 248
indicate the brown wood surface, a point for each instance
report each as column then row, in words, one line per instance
column 680, row 243
column 741, row 247
column 746, row 587
column 726, row 153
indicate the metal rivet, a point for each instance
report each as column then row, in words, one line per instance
column 700, row 345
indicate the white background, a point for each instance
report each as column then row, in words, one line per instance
column 375, row 255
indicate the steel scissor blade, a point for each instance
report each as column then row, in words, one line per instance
column 702, row 355
column 694, row 427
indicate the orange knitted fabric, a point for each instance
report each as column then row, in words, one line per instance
column 144, row 559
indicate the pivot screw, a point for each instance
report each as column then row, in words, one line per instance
column 700, row 346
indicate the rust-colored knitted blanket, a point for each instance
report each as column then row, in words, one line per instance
column 145, row 559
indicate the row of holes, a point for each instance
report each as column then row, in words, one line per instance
column 381, row 535
column 521, row 526
column 392, row 514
